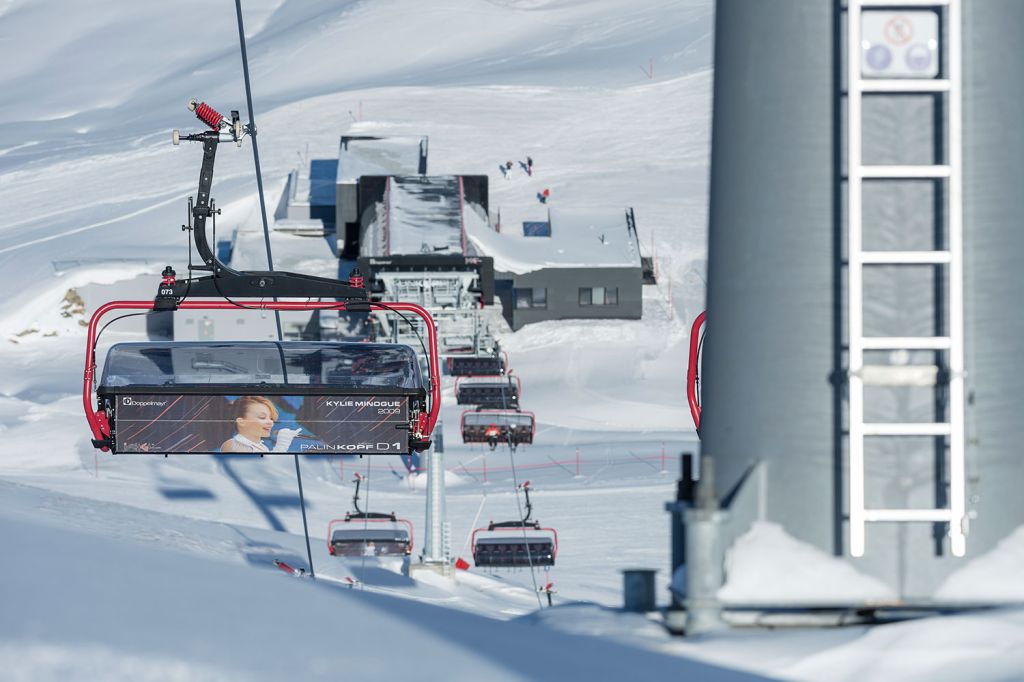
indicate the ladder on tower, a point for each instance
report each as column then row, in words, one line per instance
column 951, row 173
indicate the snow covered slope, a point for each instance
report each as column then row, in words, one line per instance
column 125, row 611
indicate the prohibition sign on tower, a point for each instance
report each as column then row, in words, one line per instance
column 899, row 30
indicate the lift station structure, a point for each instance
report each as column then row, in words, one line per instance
column 864, row 346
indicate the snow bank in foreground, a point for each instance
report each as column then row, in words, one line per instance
column 600, row 621
column 78, row 604
column 768, row 566
column 993, row 576
column 977, row 647
column 36, row 662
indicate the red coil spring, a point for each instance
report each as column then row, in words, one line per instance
column 355, row 280
column 209, row 115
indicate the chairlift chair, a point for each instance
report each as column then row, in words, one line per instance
column 160, row 397
column 493, row 364
column 354, row 536
column 515, row 544
column 513, row 427
column 491, row 392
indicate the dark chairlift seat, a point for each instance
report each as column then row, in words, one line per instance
column 496, row 392
column 478, row 365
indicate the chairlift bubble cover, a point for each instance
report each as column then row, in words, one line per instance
column 370, row 542
column 207, row 398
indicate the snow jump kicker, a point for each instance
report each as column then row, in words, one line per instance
column 256, row 396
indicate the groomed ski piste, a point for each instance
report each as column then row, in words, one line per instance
column 152, row 568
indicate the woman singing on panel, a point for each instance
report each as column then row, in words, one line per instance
column 254, row 420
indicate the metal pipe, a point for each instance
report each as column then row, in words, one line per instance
column 433, row 547
column 705, row 555
column 684, row 500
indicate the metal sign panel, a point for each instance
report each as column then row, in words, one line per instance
column 536, row 228
column 272, row 424
column 902, row 44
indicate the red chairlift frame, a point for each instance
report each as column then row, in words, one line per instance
column 692, row 373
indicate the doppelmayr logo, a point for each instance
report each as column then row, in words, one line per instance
column 142, row 403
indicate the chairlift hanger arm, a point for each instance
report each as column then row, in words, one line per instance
column 226, row 281
column 203, row 208
column 525, row 522
column 355, row 496
column 97, row 417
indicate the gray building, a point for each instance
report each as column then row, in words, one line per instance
column 579, row 263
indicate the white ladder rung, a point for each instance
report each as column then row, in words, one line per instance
column 905, row 257
column 905, row 342
column 933, row 515
column 903, row 3
column 899, row 375
column 905, row 429
column 904, row 85
column 936, row 172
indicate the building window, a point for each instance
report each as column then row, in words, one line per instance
column 603, row 296
column 536, row 297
